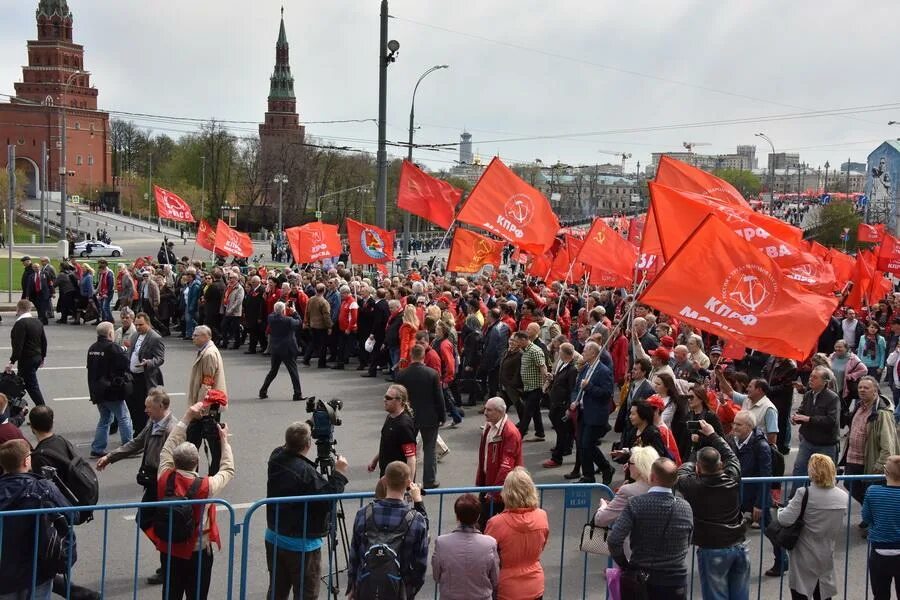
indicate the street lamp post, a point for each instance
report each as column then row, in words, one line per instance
column 280, row 180
column 404, row 254
column 825, row 185
column 203, row 188
column 387, row 51
column 771, row 169
column 63, row 163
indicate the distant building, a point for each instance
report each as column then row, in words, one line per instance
column 584, row 192
column 469, row 167
column 783, row 160
column 744, row 160
column 748, row 151
column 33, row 116
column 465, row 148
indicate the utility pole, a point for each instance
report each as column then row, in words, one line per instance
column 386, row 55
column 150, row 190
column 43, row 184
column 848, row 176
column 11, row 172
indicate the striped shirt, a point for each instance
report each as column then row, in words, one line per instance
column 881, row 510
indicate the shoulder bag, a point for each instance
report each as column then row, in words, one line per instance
column 787, row 536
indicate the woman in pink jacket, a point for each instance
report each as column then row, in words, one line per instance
column 521, row 531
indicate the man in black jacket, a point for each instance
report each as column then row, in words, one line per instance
column 212, row 300
column 282, row 349
column 380, row 315
column 561, row 387
column 255, row 315
column 496, row 341
column 423, row 386
column 819, row 420
column 109, row 384
column 298, row 528
column 29, row 349
column 711, row 483
column 365, row 316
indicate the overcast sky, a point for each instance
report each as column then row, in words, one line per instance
column 518, row 68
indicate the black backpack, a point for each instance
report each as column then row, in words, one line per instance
column 177, row 520
column 380, row 575
column 77, row 481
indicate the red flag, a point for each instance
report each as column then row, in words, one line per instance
column 863, row 273
column 889, row 255
column 170, row 206
column 605, row 249
column 510, row 208
column 843, row 265
column 471, row 251
column 722, row 284
column 650, row 255
column 562, row 259
column 138, row 263
column 606, row 279
column 231, row 242
column 870, row 233
column 206, row 236
column 369, row 244
column 421, row 194
column 683, row 176
column 575, row 245
column 314, row 241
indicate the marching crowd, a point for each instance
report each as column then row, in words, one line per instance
column 684, row 425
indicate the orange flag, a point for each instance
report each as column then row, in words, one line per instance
column 510, row 208
column 369, row 244
column 606, row 250
column 206, row 236
column 314, row 241
column 230, row 242
column 421, row 194
column 470, row 251
column 889, row 255
column 682, row 176
column 722, row 284
column 870, row 233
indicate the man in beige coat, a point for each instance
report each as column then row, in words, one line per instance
column 207, row 373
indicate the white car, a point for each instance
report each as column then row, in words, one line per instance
column 90, row 248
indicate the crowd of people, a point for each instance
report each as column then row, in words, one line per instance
column 687, row 424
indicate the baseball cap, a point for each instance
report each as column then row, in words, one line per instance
column 661, row 353
column 667, row 341
column 715, row 350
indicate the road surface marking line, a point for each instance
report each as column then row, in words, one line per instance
column 71, row 398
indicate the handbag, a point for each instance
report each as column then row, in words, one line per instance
column 787, row 536
column 593, row 539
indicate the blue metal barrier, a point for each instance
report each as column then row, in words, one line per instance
column 563, row 502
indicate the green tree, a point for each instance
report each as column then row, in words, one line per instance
column 746, row 182
column 833, row 219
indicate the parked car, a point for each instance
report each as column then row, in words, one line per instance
column 95, row 248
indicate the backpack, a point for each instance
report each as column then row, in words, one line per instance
column 177, row 520
column 77, row 481
column 380, row 574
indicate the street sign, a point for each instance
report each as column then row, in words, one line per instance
column 319, row 214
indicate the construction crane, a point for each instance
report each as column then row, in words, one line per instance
column 623, row 155
column 689, row 146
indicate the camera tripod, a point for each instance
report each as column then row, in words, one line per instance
column 337, row 522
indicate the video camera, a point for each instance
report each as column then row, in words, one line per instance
column 325, row 417
column 211, row 421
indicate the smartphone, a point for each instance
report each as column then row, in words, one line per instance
column 693, row 426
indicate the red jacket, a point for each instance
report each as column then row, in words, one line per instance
column 347, row 317
column 511, row 323
column 271, row 298
column 619, row 351
column 499, row 455
column 407, row 340
column 448, row 361
column 432, row 359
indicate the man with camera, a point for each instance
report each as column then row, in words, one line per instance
column 109, row 384
column 283, row 349
column 146, row 355
column 148, row 444
column 295, row 531
column 178, row 478
column 207, row 373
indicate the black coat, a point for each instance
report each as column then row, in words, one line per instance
column 255, row 305
column 283, row 335
column 28, row 339
column 423, row 384
column 562, row 387
column 106, row 363
column 365, row 317
column 380, row 317
column 213, row 299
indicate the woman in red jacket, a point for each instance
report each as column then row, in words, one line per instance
column 408, row 333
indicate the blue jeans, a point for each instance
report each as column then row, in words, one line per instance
column 108, row 410
column 724, row 572
column 105, row 312
column 41, row 592
column 452, row 409
column 804, row 451
column 189, row 324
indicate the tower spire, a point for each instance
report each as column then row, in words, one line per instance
column 281, row 84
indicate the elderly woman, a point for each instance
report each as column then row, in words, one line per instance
column 465, row 563
column 407, row 335
column 847, row 369
column 872, row 438
column 521, row 531
column 639, row 463
column 812, row 559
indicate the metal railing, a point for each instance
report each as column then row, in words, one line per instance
column 568, row 572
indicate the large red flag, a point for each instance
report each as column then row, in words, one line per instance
column 170, row 206
column 369, row 244
column 870, row 233
column 421, row 194
column 230, row 242
column 843, row 265
column 722, row 284
column 683, row 176
column 863, row 274
column 574, row 246
column 206, row 236
column 508, row 207
column 606, row 250
column 636, row 228
column 314, row 241
column 606, row 279
column 470, row 251
column 889, row 255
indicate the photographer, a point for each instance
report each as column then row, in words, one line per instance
column 207, row 373
column 295, row 532
column 109, row 383
column 149, row 443
column 179, row 461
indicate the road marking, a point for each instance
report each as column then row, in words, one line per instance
column 219, row 508
column 72, row 398
column 60, row 368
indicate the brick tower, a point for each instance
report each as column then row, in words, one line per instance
column 282, row 125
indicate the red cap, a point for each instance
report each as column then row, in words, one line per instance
column 668, row 341
column 656, row 402
column 661, row 353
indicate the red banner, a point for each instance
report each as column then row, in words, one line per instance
column 863, row 274
column 230, row 242
column 206, row 236
column 636, row 226
column 722, row 284
column 889, row 255
column 605, row 249
column 683, row 176
column 507, row 206
column 421, row 194
column 369, row 244
column 314, row 241
column 871, row 234
column 470, row 251
column 170, row 206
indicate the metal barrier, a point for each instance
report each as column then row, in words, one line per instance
column 568, row 506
